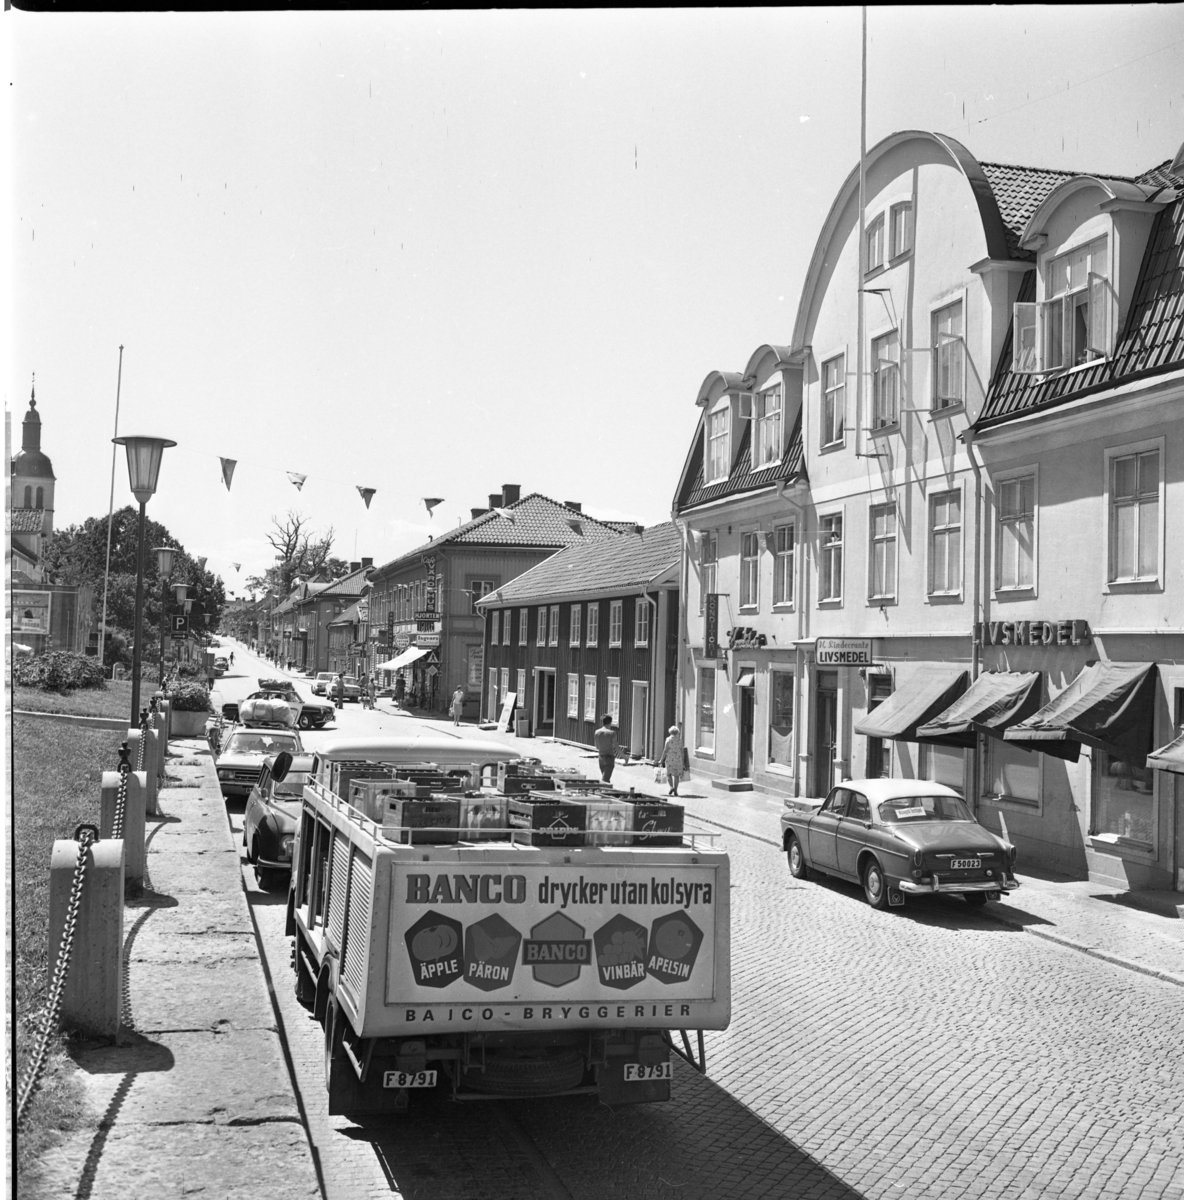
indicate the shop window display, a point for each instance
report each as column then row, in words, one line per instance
column 1124, row 799
column 781, row 719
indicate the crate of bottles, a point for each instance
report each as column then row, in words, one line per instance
column 431, row 821
column 544, row 819
column 654, row 822
column 610, row 821
column 482, row 817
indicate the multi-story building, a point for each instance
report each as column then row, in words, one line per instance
column 591, row 631
column 423, row 606
column 347, row 641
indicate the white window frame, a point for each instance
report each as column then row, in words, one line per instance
column 495, row 619
column 573, row 633
column 590, row 698
column 887, row 380
column 767, row 426
column 523, row 626
column 521, row 683
column 944, row 531
column 506, row 615
column 592, row 637
column 616, row 622
column 540, row 637
column 896, row 251
column 784, row 565
column 1010, row 476
column 947, row 347
column 492, row 694
column 887, row 596
column 717, row 446
column 641, row 621
column 485, row 585
column 750, row 570
column 612, row 699
column 553, row 629
column 573, row 697
column 824, row 558
column 1110, row 454
column 702, row 748
column 832, row 437
column 505, row 683
column 708, row 567
column 876, row 228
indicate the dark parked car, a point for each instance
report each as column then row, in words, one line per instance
column 898, row 837
column 269, row 826
column 311, row 714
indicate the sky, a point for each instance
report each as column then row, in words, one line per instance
column 434, row 253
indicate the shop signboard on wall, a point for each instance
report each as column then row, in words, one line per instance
column 30, row 612
column 843, row 652
column 476, row 667
column 711, row 626
column 402, row 641
column 1032, row 633
column 427, row 639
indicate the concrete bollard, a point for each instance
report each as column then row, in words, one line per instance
column 133, row 743
column 165, row 711
column 133, row 821
column 92, row 999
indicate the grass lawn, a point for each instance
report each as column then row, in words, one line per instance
column 56, row 773
column 115, row 700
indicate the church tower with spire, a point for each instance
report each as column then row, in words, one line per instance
column 32, row 473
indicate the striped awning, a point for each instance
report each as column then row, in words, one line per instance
column 995, row 701
column 1169, row 757
column 930, row 691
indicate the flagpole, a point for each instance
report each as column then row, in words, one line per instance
column 110, row 512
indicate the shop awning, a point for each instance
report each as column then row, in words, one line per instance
column 410, row 655
column 1110, row 706
column 745, row 679
column 995, row 701
column 931, row 691
column 1169, row 757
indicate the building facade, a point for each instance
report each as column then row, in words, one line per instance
column 591, row 631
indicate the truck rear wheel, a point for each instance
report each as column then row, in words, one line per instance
column 534, row 1074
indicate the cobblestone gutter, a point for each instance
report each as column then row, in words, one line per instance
column 197, row 1100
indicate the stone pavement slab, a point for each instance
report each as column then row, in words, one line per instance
column 197, row 1099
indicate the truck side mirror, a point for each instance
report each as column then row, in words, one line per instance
column 281, row 766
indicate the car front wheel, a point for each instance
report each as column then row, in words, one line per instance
column 797, row 860
column 304, row 722
column 875, row 886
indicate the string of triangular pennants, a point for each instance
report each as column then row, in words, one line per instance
column 297, row 481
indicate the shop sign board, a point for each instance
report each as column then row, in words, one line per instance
column 526, row 934
column 427, row 639
column 428, row 615
column 1032, row 633
column 30, row 612
column 476, row 667
column 402, row 641
column 711, row 626
column 843, row 652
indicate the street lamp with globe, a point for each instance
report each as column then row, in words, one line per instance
column 143, row 469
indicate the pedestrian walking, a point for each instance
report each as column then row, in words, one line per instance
column 605, row 739
column 457, row 706
column 338, row 690
column 400, row 690
column 372, row 691
column 232, row 658
column 671, row 759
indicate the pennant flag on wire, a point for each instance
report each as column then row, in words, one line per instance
column 237, row 566
column 228, row 465
column 297, row 479
column 367, row 494
column 430, row 502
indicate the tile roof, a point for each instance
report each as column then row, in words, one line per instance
column 595, row 569
column 742, row 477
column 1151, row 342
column 535, row 520
column 353, row 584
column 26, row 520
column 352, row 615
column 1018, row 192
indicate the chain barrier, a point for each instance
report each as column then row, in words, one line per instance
column 125, row 769
column 143, row 739
column 84, row 835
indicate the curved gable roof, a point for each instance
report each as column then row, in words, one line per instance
column 994, row 230
column 1115, row 189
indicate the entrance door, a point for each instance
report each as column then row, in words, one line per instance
column 544, row 701
column 639, row 719
column 747, row 729
column 826, row 719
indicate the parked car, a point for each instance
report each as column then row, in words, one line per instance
column 310, row 713
column 353, row 689
column 243, row 751
column 269, row 825
column 221, row 666
column 898, row 838
column 320, row 685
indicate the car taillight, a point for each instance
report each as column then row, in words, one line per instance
column 1011, row 855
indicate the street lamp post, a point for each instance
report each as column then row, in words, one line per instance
column 164, row 568
column 189, row 637
column 143, row 469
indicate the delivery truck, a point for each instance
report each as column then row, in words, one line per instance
column 508, row 948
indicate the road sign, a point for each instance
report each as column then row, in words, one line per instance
column 179, row 624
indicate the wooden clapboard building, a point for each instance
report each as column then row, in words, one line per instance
column 593, row 630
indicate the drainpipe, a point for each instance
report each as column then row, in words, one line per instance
column 651, row 731
column 800, row 673
column 682, row 639
column 979, row 604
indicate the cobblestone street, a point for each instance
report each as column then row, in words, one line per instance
column 928, row 1052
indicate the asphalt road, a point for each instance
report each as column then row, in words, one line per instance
column 924, row 1053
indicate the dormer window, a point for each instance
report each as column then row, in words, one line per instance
column 767, row 427
column 1074, row 323
column 718, row 445
column 875, row 244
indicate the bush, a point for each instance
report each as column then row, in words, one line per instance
column 190, row 670
column 59, row 671
column 189, row 697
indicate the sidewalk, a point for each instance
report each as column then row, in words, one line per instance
column 1142, row 931
column 197, row 1100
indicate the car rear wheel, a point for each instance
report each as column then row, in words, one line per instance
column 875, row 886
column 304, row 722
column 797, row 860
column 269, row 879
column 976, row 899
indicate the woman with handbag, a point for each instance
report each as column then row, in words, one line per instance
column 672, row 758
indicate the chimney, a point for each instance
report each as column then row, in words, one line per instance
column 367, row 562
column 355, row 566
column 478, row 512
column 495, row 499
column 511, row 493
column 574, row 505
